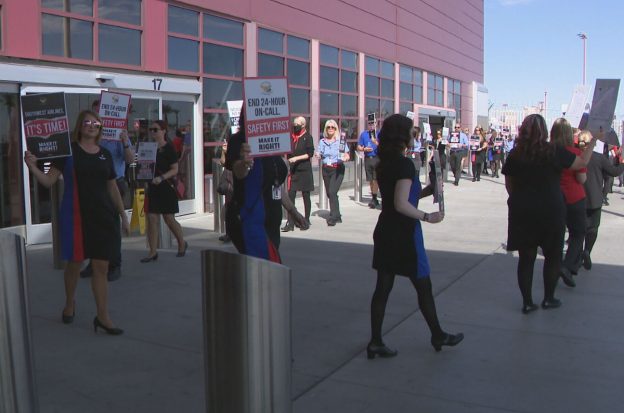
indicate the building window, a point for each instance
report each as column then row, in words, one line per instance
column 379, row 87
column 68, row 30
column 435, row 90
column 183, row 40
column 339, row 88
column 410, row 88
column 281, row 55
column 454, row 95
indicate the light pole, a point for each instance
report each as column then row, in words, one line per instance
column 583, row 37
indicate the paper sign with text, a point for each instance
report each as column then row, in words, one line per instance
column 146, row 160
column 438, row 188
column 267, row 116
column 113, row 111
column 46, row 127
column 234, row 110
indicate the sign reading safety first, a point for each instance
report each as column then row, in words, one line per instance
column 267, row 116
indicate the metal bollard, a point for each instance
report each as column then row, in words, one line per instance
column 358, row 175
column 323, row 200
column 17, row 382
column 219, row 200
column 247, row 334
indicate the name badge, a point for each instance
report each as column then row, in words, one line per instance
column 277, row 192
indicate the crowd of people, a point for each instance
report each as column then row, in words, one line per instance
column 555, row 181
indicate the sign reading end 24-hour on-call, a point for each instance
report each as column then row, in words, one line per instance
column 267, row 116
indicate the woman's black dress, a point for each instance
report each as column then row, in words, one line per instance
column 536, row 204
column 162, row 198
column 301, row 178
column 89, row 223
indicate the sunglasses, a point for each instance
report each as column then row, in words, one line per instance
column 93, row 123
column 154, row 130
column 330, row 127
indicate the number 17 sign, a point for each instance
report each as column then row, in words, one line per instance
column 267, row 116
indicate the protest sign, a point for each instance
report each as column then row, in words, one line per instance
column 234, row 110
column 603, row 106
column 438, row 188
column 113, row 111
column 427, row 132
column 267, row 116
column 410, row 115
column 575, row 109
column 46, row 126
column 474, row 142
column 146, row 161
column 454, row 140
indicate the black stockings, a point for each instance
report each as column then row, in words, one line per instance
column 426, row 302
column 552, row 263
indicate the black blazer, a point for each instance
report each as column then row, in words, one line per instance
column 598, row 168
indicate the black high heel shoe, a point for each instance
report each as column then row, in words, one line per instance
column 68, row 319
column 149, row 259
column 446, row 340
column 183, row 252
column 529, row 308
column 381, row 350
column 113, row 331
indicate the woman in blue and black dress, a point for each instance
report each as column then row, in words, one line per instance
column 398, row 239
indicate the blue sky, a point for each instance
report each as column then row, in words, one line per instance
column 531, row 46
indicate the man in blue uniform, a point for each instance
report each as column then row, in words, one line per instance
column 368, row 144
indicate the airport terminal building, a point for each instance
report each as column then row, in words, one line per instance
column 183, row 60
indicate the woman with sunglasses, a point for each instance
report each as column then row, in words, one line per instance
column 89, row 215
column 162, row 197
column 479, row 155
column 332, row 161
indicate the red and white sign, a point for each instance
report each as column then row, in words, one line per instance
column 267, row 116
column 114, row 113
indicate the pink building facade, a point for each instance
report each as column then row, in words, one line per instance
column 183, row 60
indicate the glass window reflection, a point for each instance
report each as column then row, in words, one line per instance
column 62, row 36
column 299, row 100
column 223, row 60
column 183, row 21
column 223, row 30
column 183, row 54
column 329, row 104
column 270, row 65
column 329, row 78
column 127, row 11
column 298, row 73
column 217, row 92
column 270, row 41
column 119, row 45
column 329, row 55
column 298, row 47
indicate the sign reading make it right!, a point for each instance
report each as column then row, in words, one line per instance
column 45, row 125
column 267, row 116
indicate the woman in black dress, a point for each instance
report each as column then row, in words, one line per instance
column 399, row 245
column 536, row 206
column 479, row 156
column 300, row 178
column 441, row 148
column 161, row 198
column 89, row 215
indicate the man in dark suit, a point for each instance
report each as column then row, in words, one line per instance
column 598, row 168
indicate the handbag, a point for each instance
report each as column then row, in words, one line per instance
column 224, row 187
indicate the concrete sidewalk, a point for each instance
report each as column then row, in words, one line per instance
column 564, row 360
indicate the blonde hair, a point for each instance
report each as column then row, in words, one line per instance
column 333, row 123
column 76, row 134
column 585, row 136
column 561, row 133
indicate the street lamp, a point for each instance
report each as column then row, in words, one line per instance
column 583, row 37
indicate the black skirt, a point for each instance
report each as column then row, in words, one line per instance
column 161, row 199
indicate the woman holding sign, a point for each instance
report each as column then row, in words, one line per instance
column 536, row 205
column 333, row 157
column 399, row 244
column 161, row 197
column 89, row 215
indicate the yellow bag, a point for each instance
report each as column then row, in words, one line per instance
column 137, row 221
